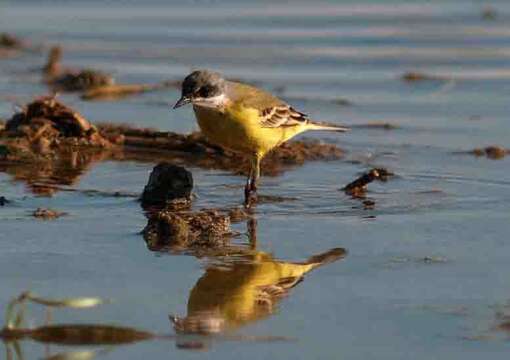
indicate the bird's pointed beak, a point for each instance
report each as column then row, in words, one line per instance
column 184, row 100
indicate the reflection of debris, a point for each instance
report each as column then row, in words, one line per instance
column 167, row 182
column 113, row 92
column 47, row 214
column 238, row 214
column 417, row 76
column 358, row 187
column 492, row 152
column 178, row 230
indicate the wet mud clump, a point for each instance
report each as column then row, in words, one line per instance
column 47, row 214
column 62, row 79
column 183, row 230
column 167, row 183
column 358, row 187
column 46, row 128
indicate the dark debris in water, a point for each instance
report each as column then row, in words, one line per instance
column 167, row 182
column 47, row 214
column 489, row 13
column 493, row 152
column 413, row 76
column 10, row 41
column 4, row 201
column 358, row 187
column 376, row 125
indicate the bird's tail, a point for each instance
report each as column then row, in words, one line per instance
column 311, row 125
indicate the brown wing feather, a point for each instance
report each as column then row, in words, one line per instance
column 282, row 116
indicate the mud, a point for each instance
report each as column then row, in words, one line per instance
column 49, row 143
column 45, row 128
column 196, row 150
column 60, row 78
column 47, row 214
column 358, row 187
column 186, row 230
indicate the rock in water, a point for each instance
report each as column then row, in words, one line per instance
column 167, row 182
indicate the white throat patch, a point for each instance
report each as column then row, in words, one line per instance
column 218, row 101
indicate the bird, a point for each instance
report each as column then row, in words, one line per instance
column 244, row 119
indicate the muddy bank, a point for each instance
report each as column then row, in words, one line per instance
column 196, row 150
column 48, row 140
column 45, row 129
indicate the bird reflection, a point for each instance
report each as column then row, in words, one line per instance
column 241, row 291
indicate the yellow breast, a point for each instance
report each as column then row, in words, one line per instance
column 238, row 129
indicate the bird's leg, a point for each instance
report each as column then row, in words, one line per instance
column 250, row 191
column 247, row 188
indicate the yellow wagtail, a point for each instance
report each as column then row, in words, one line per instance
column 243, row 118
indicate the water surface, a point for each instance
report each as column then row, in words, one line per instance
column 426, row 268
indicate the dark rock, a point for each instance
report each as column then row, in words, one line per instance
column 167, row 182
column 358, row 187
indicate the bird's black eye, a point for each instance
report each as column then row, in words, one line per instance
column 204, row 91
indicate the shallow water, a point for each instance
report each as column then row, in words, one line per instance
column 426, row 269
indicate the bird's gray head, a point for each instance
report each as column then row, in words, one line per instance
column 202, row 87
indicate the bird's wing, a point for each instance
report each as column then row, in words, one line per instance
column 281, row 116
column 273, row 112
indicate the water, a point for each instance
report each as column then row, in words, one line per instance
column 426, row 269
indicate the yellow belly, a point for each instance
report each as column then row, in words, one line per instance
column 239, row 130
